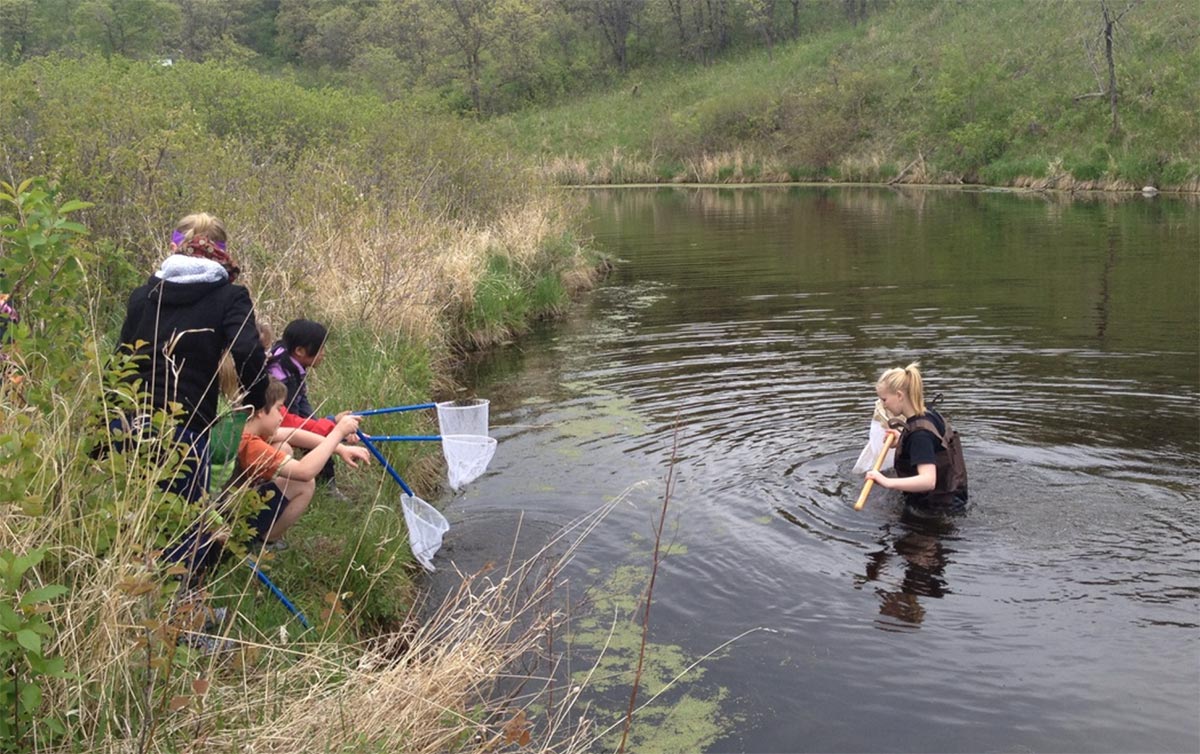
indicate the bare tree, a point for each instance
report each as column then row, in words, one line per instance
column 676, row 7
column 1107, row 29
column 617, row 18
column 717, row 29
column 856, row 10
column 467, row 26
column 705, row 27
column 762, row 17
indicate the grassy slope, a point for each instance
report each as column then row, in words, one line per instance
column 981, row 91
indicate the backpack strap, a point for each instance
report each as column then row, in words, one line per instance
column 930, row 427
column 281, row 358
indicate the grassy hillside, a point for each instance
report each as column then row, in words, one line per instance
column 927, row 91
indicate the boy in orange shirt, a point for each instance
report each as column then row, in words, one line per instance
column 264, row 459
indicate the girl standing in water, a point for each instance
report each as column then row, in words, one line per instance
column 930, row 468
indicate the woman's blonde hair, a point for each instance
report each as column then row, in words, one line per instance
column 227, row 379
column 202, row 225
column 907, row 381
column 266, row 334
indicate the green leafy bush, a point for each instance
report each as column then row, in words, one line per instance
column 23, row 636
column 1004, row 171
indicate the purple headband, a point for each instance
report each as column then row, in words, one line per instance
column 178, row 237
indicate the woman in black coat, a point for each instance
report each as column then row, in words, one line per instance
column 180, row 323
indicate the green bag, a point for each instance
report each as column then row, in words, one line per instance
column 225, row 435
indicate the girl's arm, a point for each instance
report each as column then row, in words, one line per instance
column 305, row 440
column 307, row 468
column 924, row 481
column 297, row 438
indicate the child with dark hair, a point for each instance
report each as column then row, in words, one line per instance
column 302, row 348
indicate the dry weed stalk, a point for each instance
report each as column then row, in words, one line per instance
column 658, row 530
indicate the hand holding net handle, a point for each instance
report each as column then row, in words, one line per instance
column 866, row 490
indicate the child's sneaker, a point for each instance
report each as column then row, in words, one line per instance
column 257, row 545
column 214, row 621
column 335, row 493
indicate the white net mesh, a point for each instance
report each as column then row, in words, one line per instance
column 467, row 417
column 425, row 528
column 467, row 457
column 866, row 459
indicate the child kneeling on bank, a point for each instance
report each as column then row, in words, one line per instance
column 264, row 459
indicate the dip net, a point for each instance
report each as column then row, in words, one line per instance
column 426, row 526
column 465, row 442
column 879, row 425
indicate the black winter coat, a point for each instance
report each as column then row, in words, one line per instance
column 185, row 328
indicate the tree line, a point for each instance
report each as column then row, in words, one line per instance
column 476, row 56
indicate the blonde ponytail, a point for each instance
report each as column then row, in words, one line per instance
column 908, row 381
column 916, row 387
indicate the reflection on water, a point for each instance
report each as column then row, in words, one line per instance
column 1060, row 614
column 919, row 544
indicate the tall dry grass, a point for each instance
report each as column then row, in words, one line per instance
column 455, row 676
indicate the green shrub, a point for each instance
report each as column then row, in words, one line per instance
column 500, row 305
column 975, row 145
column 1085, row 169
column 803, row 173
column 23, row 636
column 1178, row 172
column 1139, row 168
column 549, row 295
column 667, row 170
column 1004, row 171
column 1090, row 167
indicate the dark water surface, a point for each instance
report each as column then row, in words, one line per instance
column 1062, row 613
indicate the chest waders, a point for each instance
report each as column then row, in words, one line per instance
column 951, row 468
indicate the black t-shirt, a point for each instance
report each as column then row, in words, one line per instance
column 920, row 446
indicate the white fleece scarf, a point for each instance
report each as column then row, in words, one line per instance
column 179, row 268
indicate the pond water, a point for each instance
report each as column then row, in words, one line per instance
column 1061, row 613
